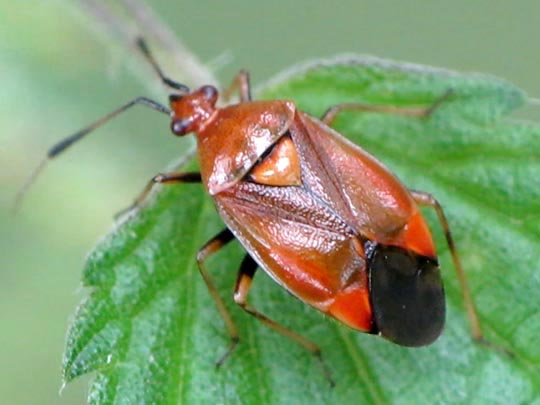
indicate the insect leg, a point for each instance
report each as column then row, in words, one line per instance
column 210, row 247
column 241, row 84
column 426, row 199
column 162, row 178
column 330, row 114
column 241, row 290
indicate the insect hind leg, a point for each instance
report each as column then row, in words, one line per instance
column 425, row 199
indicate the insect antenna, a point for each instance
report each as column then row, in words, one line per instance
column 65, row 143
column 143, row 47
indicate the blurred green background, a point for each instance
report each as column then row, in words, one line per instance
column 58, row 73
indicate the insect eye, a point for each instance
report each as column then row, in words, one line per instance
column 407, row 296
column 209, row 92
column 180, row 127
column 174, row 98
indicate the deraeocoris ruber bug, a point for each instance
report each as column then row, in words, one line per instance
column 322, row 217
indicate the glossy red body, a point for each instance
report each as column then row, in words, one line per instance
column 301, row 199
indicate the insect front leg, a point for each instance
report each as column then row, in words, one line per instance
column 426, row 199
column 330, row 114
column 241, row 290
column 241, row 84
column 162, row 178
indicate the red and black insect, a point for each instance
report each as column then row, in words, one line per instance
column 322, row 217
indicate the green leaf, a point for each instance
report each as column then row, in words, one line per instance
column 151, row 333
